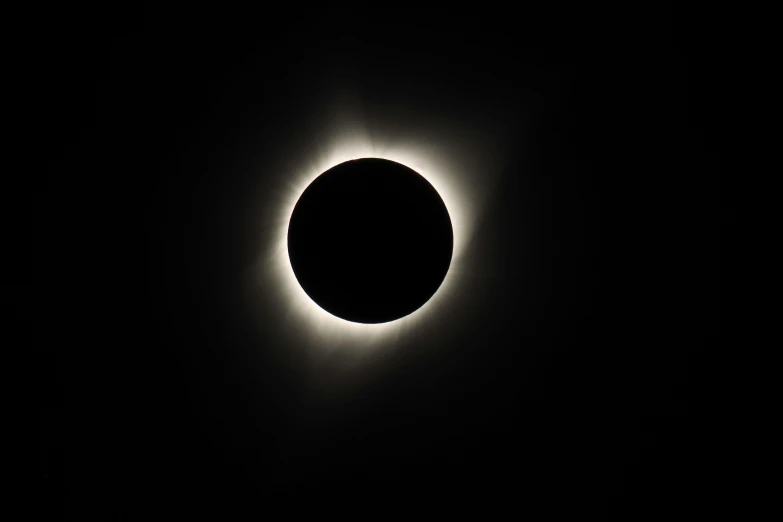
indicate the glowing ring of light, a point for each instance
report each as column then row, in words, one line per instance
column 445, row 173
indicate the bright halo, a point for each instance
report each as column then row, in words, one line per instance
column 451, row 167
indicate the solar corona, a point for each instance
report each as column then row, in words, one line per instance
column 308, row 294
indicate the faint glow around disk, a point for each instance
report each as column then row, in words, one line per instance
column 311, row 318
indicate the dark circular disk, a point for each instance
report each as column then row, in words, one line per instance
column 370, row 240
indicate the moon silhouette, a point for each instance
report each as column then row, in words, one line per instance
column 370, row 240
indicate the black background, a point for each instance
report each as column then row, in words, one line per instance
column 581, row 380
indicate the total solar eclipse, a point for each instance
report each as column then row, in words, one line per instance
column 370, row 240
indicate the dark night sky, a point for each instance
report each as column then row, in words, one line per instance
column 577, row 378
